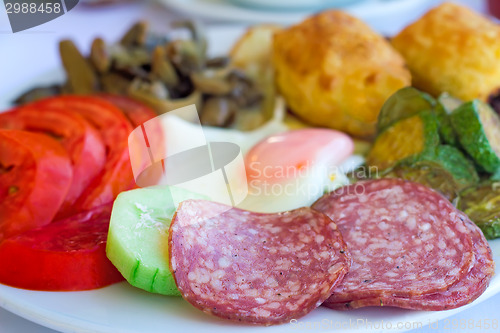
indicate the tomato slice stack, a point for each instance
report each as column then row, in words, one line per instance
column 63, row 158
column 81, row 141
column 35, row 175
column 116, row 175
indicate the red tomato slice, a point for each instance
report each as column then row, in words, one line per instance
column 66, row 255
column 139, row 114
column 114, row 128
column 81, row 141
column 35, row 175
column 135, row 111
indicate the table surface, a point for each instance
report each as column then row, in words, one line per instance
column 29, row 54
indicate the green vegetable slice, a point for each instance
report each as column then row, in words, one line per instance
column 447, row 171
column 138, row 236
column 482, row 204
column 409, row 101
column 403, row 103
column 409, row 138
column 496, row 176
column 478, row 129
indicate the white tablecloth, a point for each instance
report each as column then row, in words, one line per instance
column 29, row 54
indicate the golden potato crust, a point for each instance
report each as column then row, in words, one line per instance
column 452, row 49
column 334, row 71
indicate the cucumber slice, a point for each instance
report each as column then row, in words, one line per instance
column 482, row 204
column 409, row 139
column 478, row 129
column 138, row 236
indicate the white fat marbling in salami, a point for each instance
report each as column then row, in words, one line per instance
column 404, row 238
column 460, row 293
column 253, row 267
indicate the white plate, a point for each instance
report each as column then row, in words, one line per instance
column 227, row 11
column 122, row 308
column 289, row 5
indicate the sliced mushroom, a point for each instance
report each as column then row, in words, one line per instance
column 218, row 62
column 197, row 33
column 145, row 93
column 38, row 93
column 114, row 83
column 136, row 35
column 81, row 76
column 131, row 57
column 218, row 111
column 211, row 84
column 162, row 68
column 185, row 55
column 99, row 56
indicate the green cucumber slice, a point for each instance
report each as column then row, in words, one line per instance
column 138, row 236
column 478, row 129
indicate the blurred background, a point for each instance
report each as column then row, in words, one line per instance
column 34, row 53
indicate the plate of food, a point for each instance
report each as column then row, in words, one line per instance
column 360, row 197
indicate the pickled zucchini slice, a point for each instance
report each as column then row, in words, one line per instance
column 478, row 130
column 447, row 171
column 409, row 101
column 482, row 204
column 409, row 139
column 496, row 176
column 402, row 104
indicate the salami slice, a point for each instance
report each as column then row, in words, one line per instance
column 404, row 238
column 252, row 267
column 460, row 293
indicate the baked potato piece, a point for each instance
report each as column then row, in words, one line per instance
column 334, row 71
column 452, row 49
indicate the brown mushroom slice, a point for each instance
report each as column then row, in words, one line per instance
column 185, row 55
column 210, row 83
column 197, row 33
column 136, row 35
column 99, row 56
column 38, row 93
column 81, row 76
column 218, row 111
column 162, row 68
column 146, row 94
column 218, row 62
column 131, row 57
column 114, row 83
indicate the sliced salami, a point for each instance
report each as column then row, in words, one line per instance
column 253, row 267
column 460, row 293
column 404, row 238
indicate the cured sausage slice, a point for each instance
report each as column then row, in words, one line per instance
column 460, row 293
column 253, row 267
column 404, row 238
